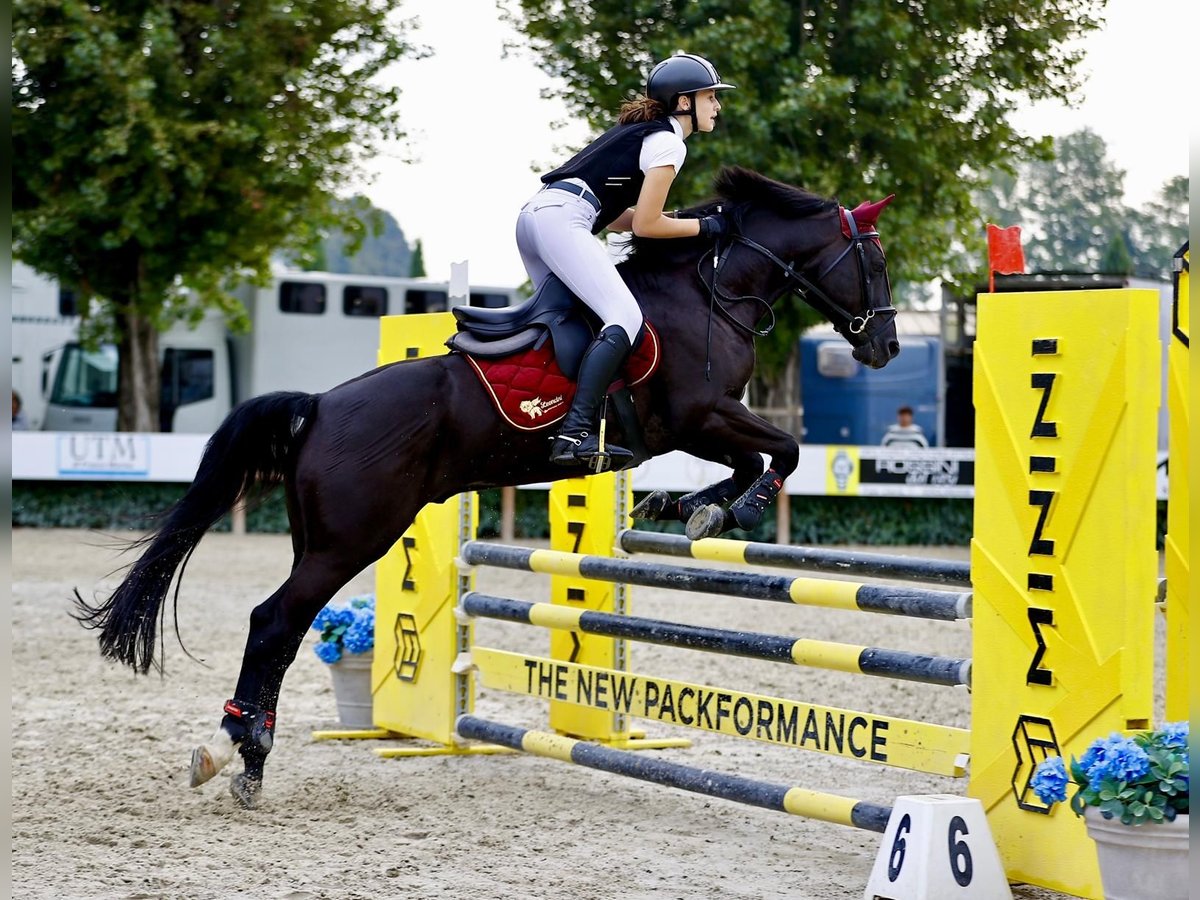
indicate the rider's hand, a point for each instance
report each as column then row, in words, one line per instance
column 713, row 226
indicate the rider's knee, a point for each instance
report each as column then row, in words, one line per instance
column 631, row 323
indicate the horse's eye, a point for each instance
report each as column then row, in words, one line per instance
column 878, row 267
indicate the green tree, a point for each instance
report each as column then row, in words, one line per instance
column 417, row 265
column 163, row 147
column 1160, row 228
column 852, row 99
column 1074, row 217
column 373, row 244
column 1116, row 259
column 1074, row 204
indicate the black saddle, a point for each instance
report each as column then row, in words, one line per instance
column 551, row 313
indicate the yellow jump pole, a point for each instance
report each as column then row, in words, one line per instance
column 795, row 801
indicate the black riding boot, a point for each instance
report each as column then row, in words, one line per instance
column 578, row 438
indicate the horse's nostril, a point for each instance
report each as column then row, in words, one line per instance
column 893, row 348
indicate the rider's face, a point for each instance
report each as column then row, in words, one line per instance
column 707, row 108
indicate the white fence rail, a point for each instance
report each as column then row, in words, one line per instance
column 824, row 470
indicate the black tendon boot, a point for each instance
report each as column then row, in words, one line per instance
column 579, row 438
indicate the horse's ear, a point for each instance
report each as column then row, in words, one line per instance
column 867, row 214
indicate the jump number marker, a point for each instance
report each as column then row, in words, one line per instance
column 896, row 859
column 961, row 866
column 937, row 846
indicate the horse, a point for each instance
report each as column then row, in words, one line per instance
column 358, row 462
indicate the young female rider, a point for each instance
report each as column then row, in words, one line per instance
column 632, row 164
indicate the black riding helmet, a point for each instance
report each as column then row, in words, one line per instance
column 682, row 74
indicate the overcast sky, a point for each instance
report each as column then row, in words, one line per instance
column 481, row 133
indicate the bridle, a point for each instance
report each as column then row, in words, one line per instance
column 807, row 288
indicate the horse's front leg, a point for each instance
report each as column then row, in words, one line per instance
column 734, row 433
column 659, row 506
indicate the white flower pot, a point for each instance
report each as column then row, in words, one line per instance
column 1140, row 861
column 352, row 688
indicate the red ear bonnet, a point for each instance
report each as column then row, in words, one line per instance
column 867, row 214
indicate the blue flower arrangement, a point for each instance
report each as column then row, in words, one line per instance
column 1138, row 779
column 350, row 628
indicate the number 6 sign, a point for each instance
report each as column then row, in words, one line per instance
column 937, row 846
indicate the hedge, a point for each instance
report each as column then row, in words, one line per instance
column 894, row 521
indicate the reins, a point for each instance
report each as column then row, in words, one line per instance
column 714, row 292
column 807, row 288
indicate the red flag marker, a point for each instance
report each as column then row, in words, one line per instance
column 1004, row 253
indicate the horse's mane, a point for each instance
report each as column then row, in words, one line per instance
column 743, row 189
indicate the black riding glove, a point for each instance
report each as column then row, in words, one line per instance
column 713, row 226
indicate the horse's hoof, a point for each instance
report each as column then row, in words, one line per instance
column 707, row 521
column 652, row 506
column 204, row 766
column 245, row 790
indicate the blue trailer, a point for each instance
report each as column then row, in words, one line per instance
column 845, row 402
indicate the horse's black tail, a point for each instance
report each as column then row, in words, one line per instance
column 255, row 445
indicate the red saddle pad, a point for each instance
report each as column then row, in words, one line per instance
column 531, row 392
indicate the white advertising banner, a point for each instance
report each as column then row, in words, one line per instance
column 111, row 456
column 824, row 470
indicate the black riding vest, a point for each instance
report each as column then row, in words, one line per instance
column 609, row 165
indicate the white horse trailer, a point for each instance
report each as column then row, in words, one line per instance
column 309, row 332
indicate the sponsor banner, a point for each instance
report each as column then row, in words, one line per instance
column 112, row 455
column 832, row 470
column 105, row 456
column 920, row 746
column 893, row 472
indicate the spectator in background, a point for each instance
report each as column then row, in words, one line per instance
column 905, row 432
column 19, row 422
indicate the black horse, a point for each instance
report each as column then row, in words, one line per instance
column 358, row 462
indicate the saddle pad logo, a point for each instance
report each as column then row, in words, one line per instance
column 530, row 391
column 538, row 407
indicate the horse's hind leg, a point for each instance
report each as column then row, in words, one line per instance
column 277, row 628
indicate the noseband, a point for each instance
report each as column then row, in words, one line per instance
column 807, row 288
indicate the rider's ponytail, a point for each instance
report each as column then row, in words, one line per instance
column 640, row 109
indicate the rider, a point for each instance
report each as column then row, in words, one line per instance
column 633, row 163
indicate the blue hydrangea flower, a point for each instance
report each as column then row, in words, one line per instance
column 328, row 652
column 1097, row 752
column 342, row 616
column 1175, row 735
column 1130, row 762
column 322, row 619
column 1116, row 758
column 1049, row 781
column 360, row 637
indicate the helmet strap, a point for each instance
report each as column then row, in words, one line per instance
column 690, row 111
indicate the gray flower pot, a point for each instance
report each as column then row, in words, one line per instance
column 1140, row 861
column 352, row 688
